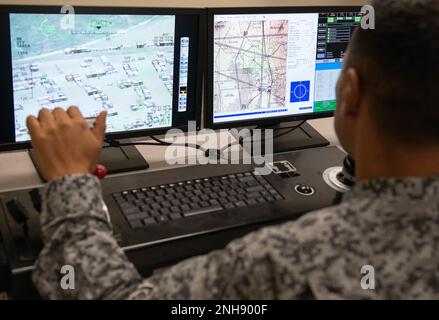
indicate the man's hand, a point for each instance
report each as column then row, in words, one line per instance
column 64, row 143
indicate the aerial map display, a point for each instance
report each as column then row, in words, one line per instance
column 120, row 63
column 250, row 58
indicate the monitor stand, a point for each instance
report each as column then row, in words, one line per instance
column 305, row 137
column 115, row 159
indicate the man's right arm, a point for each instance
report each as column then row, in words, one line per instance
column 266, row 264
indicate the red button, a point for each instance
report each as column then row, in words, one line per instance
column 100, row 171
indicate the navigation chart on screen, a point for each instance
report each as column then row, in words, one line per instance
column 120, row 63
column 250, row 64
column 278, row 65
column 264, row 65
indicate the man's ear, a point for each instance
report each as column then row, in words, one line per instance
column 350, row 93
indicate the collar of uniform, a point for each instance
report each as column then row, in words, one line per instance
column 408, row 187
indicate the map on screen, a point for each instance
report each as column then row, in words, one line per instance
column 278, row 64
column 250, row 63
column 120, row 63
column 264, row 65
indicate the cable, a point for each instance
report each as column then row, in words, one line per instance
column 291, row 129
column 117, row 144
column 207, row 152
column 232, row 144
column 187, row 145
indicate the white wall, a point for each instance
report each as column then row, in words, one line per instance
column 188, row 3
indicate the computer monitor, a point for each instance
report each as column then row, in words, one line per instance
column 271, row 65
column 142, row 65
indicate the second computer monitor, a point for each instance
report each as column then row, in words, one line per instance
column 271, row 65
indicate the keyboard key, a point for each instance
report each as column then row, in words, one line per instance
column 194, row 205
column 252, row 183
column 154, row 213
column 162, row 219
column 247, row 179
column 175, row 216
column 149, row 221
column 253, row 195
column 170, row 197
column 140, row 196
column 189, row 194
column 241, row 197
column 202, row 211
column 130, row 197
column 228, row 206
column 222, row 194
column 175, row 209
column 265, row 194
column 255, row 189
column 159, row 199
column 125, row 205
column 138, row 203
column 134, row 224
column 241, row 204
column 141, row 215
column 131, row 211
column 185, row 207
column 204, row 204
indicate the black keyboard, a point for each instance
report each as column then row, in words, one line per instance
column 159, row 204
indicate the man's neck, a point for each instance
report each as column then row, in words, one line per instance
column 385, row 161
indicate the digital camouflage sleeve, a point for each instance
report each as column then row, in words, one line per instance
column 391, row 225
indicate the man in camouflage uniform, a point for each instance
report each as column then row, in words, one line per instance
column 387, row 119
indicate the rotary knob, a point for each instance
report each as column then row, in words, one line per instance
column 305, row 190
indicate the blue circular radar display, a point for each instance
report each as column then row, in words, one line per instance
column 300, row 91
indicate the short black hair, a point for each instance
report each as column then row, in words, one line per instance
column 398, row 64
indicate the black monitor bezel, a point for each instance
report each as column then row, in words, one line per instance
column 4, row 9
column 208, row 99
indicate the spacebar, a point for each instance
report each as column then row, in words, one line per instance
column 202, row 211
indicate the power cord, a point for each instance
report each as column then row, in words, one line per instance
column 208, row 153
column 291, row 129
column 117, row 144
